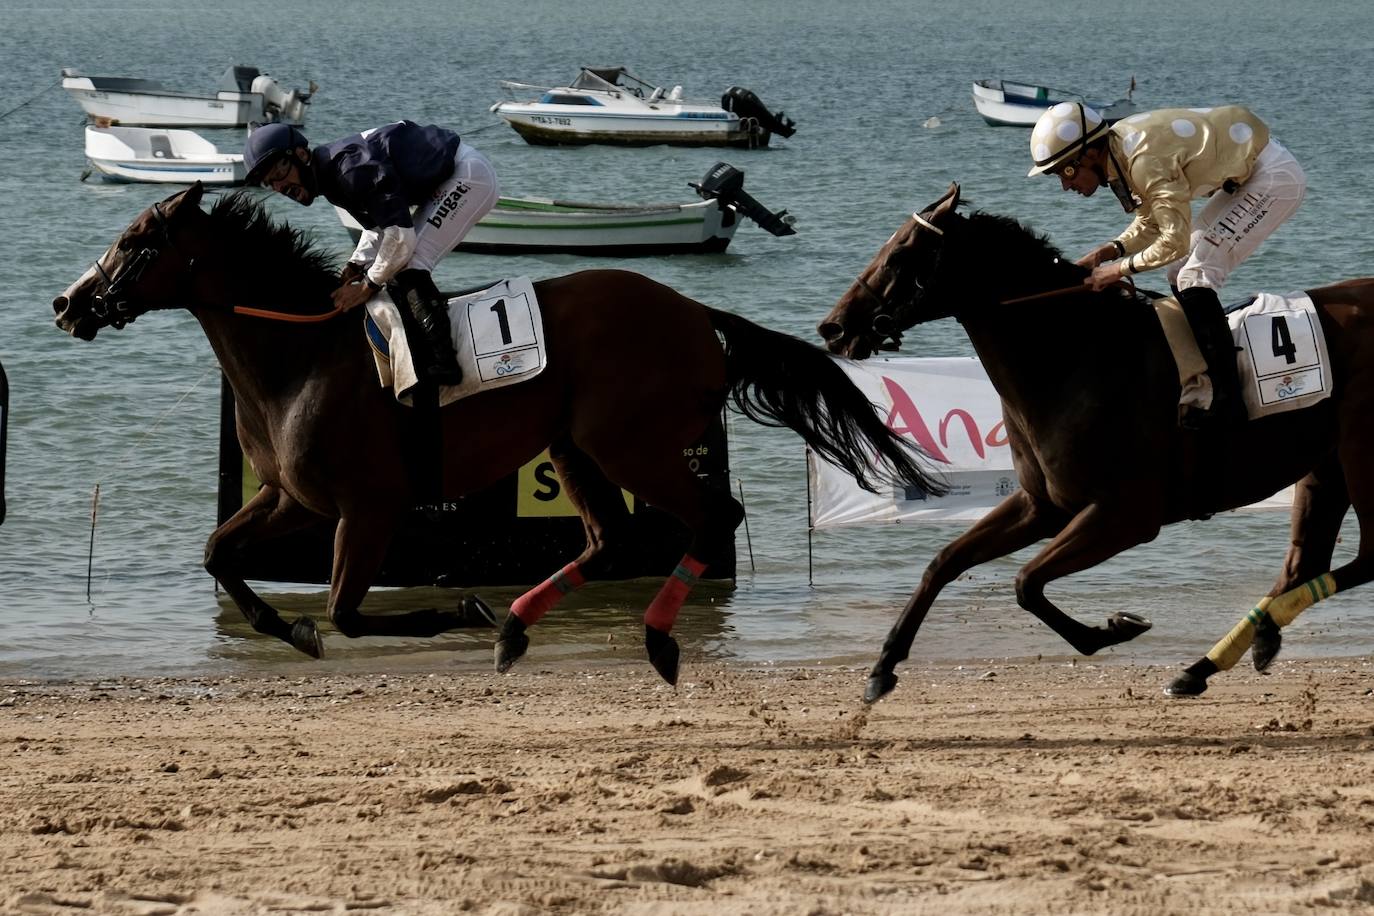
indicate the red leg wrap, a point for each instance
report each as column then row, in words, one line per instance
column 539, row 600
column 662, row 612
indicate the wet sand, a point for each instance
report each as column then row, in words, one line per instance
column 982, row 788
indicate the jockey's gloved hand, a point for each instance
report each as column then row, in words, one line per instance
column 353, row 272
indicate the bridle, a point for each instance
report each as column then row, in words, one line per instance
column 114, row 305
column 886, row 334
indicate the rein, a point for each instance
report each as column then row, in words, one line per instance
column 1066, row 290
column 285, row 316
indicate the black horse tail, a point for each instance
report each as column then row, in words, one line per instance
column 778, row 380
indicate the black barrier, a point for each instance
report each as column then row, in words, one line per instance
column 516, row 532
column 4, row 434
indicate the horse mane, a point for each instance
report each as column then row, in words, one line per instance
column 300, row 272
column 1025, row 252
column 1017, row 239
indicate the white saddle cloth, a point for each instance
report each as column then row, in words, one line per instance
column 498, row 334
column 1283, row 363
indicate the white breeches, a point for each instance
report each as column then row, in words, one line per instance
column 453, row 208
column 1232, row 225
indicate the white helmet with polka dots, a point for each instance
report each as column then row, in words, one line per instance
column 1063, row 131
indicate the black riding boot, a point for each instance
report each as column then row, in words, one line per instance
column 1208, row 321
column 417, row 292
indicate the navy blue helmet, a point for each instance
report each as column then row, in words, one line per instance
column 266, row 145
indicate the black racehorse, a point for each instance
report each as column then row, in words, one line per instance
column 1089, row 394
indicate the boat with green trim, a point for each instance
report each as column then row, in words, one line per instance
column 536, row 225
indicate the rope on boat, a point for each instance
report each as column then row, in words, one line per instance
column 32, row 99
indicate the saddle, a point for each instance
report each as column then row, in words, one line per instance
column 498, row 336
column 1281, row 355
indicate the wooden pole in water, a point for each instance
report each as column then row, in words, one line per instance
column 4, row 425
column 90, row 550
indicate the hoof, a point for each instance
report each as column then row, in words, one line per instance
column 1124, row 627
column 512, row 643
column 305, row 637
column 1268, row 642
column 1186, row 684
column 663, row 653
column 880, row 684
column 476, row 613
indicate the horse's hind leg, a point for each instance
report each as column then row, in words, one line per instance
column 605, row 519
column 1320, row 501
column 270, row 513
column 660, row 476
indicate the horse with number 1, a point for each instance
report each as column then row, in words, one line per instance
column 1090, row 395
column 635, row 373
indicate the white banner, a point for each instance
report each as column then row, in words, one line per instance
column 949, row 408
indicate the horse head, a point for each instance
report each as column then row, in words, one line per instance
column 893, row 292
column 148, row 267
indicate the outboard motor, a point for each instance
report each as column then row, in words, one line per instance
column 725, row 184
column 287, row 106
column 747, row 105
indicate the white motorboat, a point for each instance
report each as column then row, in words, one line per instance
column 542, row 226
column 155, row 154
column 244, row 96
column 1008, row 103
column 612, row 105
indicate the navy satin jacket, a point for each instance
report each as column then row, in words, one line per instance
column 378, row 175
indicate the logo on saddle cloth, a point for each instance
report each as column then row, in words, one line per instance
column 498, row 334
column 1282, row 358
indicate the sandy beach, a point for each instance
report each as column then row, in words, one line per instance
column 1035, row 787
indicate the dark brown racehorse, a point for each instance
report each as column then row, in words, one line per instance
column 1089, row 394
column 635, row 373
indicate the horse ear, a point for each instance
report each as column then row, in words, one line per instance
column 947, row 203
column 188, row 198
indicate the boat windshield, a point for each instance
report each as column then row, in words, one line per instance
column 606, row 79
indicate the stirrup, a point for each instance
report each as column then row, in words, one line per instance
column 1196, row 419
column 444, row 375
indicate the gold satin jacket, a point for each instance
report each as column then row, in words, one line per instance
column 1168, row 159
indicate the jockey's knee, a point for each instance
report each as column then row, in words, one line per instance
column 1208, row 275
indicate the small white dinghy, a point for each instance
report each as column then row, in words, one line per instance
column 244, row 96
column 1009, row 103
column 160, row 155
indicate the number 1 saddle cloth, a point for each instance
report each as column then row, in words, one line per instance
column 498, row 335
column 1281, row 355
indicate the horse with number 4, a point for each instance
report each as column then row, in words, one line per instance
column 1090, row 392
column 634, row 373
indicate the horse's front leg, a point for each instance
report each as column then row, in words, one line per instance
column 360, row 542
column 1095, row 534
column 270, row 513
column 1016, row 522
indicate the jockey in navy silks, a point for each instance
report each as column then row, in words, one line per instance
column 378, row 176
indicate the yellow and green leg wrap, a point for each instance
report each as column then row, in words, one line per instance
column 1282, row 610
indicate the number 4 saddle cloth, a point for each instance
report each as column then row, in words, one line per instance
column 1281, row 354
column 498, row 335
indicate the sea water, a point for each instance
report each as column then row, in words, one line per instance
column 881, row 93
